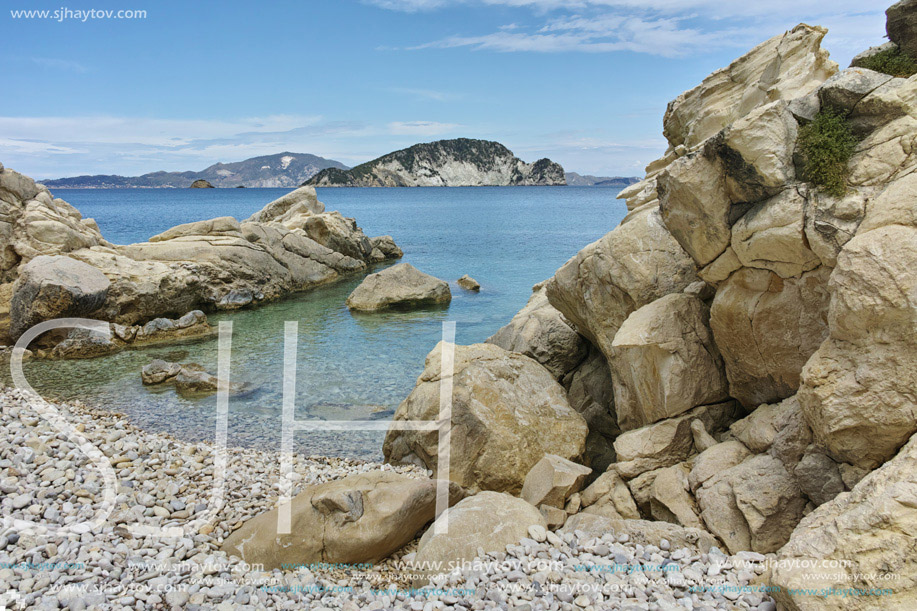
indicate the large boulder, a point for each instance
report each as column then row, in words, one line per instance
column 630, row 267
column 400, row 286
column 787, row 66
column 357, row 519
column 609, row 496
column 664, row 362
column 538, row 330
column 507, row 413
column 299, row 202
column 766, row 328
column 857, row 392
column 865, row 539
column 487, row 521
column 754, row 505
column 901, row 25
column 670, row 441
column 55, row 287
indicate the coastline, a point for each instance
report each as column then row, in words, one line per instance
column 164, row 482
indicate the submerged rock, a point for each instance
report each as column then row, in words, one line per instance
column 399, row 286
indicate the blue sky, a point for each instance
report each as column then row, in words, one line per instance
column 584, row 82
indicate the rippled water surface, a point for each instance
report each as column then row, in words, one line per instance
column 350, row 366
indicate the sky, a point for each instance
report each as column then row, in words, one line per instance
column 188, row 84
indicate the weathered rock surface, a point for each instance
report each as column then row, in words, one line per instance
column 539, row 331
column 507, row 413
column 901, row 26
column 864, row 539
column 857, row 391
column 766, row 328
column 55, row 287
column 552, row 480
column 469, row 284
column 630, row 267
column 668, row 442
column 487, row 520
column 399, row 286
column 357, row 519
column 189, row 378
column 609, row 496
column 590, row 392
column 664, row 362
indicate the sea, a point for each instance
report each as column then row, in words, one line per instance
column 350, row 366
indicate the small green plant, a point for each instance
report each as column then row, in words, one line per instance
column 826, row 144
column 889, row 61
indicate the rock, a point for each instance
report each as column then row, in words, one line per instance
column 609, row 496
column 845, row 89
column 401, row 285
column 715, row 460
column 901, row 26
column 857, row 390
column 695, row 205
column 224, row 225
column 759, row 429
column 297, row 203
column 469, row 284
column 539, row 331
column 856, row 540
column 832, row 221
column 758, row 152
column 554, row 517
column 664, row 362
column 334, row 231
column 159, row 371
column 785, row 67
column 785, row 320
column 668, row 442
column 892, row 100
column 552, row 480
column 201, row 184
column 702, row 439
column 640, row 531
column 488, row 520
column 630, row 267
column 671, row 500
column 387, row 246
column 590, row 392
column 507, row 413
column 771, row 236
column 863, row 55
column 752, row 506
column 84, row 344
column 893, row 206
column 819, row 477
column 884, row 155
column 187, row 378
column 357, row 519
column 55, row 287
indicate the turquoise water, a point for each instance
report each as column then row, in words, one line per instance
column 350, row 366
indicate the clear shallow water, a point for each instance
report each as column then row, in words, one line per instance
column 350, row 366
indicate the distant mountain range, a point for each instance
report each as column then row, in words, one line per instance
column 462, row 162
column 587, row 180
column 280, row 170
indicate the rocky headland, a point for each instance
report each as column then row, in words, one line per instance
column 54, row 263
column 445, row 163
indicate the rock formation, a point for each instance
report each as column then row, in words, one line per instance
column 201, row 184
column 55, row 263
column 745, row 338
column 399, row 286
column 445, row 163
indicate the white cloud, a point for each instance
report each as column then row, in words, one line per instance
column 421, row 128
column 59, row 64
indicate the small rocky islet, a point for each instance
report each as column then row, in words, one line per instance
column 722, row 384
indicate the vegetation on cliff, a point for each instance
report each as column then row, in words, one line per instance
column 826, row 144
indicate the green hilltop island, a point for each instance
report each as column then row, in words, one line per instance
column 446, row 163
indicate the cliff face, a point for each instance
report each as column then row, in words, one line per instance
column 446, row 163
column 750, row 325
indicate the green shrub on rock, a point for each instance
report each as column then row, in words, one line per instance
column 889, row 61
column 825, row 145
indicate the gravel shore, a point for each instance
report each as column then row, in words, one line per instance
column 48, row 482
